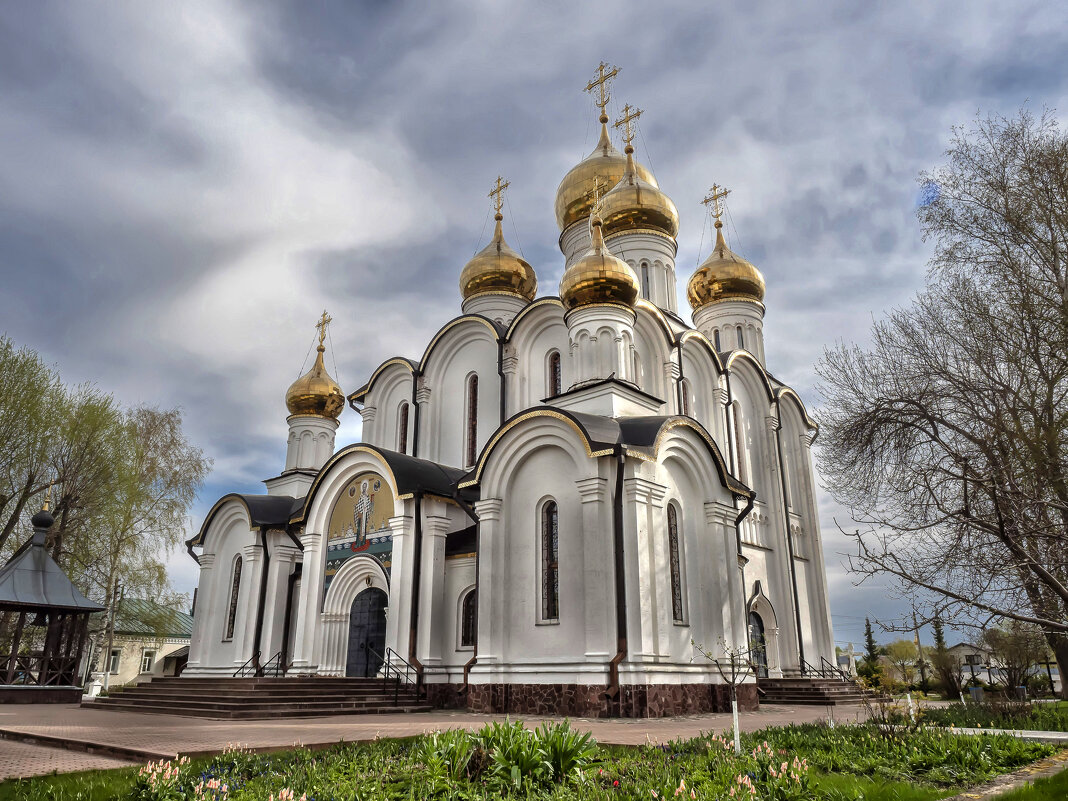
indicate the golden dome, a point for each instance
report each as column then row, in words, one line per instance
column 598, row 277
column 315, row 392
column 604, row 167
column 634, row 204
column 724, row 276
column 498, row 269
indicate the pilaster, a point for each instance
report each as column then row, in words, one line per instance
column 305, row 659
column 202, row 616
column 398, row 631
column 598, row 567
column 432, row 595
column 492, row 583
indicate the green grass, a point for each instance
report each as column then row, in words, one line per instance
column 1001, row 715
column 1054, row 788
column 847, row 763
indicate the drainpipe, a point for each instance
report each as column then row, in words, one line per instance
column 500, row 372
column 262, row 603
column 789, row 539
column 469, row 510
column 742, row 561
column 293, row 577
column 416, row 581
column 612, row 692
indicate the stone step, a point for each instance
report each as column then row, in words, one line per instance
column 263, row 714
column 281, row 695
column 213, row 705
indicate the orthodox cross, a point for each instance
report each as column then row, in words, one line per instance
column 594, row 193
column 600, row 83
column 497, row 193
column 714, row 198
column 626, row 121
column 324, row 321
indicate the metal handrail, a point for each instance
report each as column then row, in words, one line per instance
column 244, row 669
column 391, row 663
column 273, row 665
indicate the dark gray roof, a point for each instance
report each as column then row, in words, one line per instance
column 33, row 580
column 264, row 511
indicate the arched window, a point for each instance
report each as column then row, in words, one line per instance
column 715, row 339
column 685, row 392
column 739, row 444
column 741, row 338
column 556, row 378
column 675, row 563
column 645, row 280
column 467, row 619
column 472, row 421
column 550, row 562
column 402, row 428
column 235, row 587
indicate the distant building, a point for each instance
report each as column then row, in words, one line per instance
column 150, row 640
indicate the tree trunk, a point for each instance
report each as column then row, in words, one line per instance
column 1059, row 644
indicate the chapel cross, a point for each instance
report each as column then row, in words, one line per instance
column 600, row 83
column 599, row 185
column 324, row 321
column 626, row 122
column 497, row 193
column 714, row 198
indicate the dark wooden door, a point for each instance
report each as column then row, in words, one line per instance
column 367, row 633
column 759, row 644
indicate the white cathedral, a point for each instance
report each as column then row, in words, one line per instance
column 555, row 500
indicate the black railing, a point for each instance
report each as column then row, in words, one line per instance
column 825, row 670
column 249, row 668
column 396, row 667
column 273, row 667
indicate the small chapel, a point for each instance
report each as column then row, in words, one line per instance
column 556, row 500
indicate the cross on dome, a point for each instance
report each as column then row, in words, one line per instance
column 324, row 321
column 714, row 200
column 497, row 193
column 600, row 83
column 626, row 122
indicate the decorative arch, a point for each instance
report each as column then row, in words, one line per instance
column 745, row 357
column 397, row 361
column 467, row 618
column 786, row 393
column 759, row 604
column 356, row 575
column 476, row 320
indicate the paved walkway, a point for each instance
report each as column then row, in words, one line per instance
column 18, row 760
column 140, row 737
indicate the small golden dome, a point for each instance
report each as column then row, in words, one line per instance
column 315, row 392
column 634, row 204
column 724, row 276
column 498, row 269
column 604, row 167
column 598, row 277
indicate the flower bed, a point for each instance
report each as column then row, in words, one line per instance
column 556, row 762
column 1001, row 715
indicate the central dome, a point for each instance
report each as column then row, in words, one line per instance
column 598, row 277
column 604, row 167
column 315, row 393
column 635, row 204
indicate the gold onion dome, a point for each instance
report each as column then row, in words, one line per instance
column 498, row 269
column 724, row 276
column 598, row 277
column 315, row 392
column 635, row 204
column 604, row 167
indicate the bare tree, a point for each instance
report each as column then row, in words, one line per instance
column 948, row 436
column 1016, row 649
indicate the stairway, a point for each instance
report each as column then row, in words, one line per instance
column 253, row 698
column 818, row 691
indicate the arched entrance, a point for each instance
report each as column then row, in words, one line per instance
column 758, row 644
column 367, row 633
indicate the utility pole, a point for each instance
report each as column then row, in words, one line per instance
column 922, row 664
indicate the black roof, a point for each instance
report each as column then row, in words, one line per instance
column 264, row 511
column 31, row 579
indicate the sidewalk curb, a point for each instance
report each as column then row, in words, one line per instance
column 87, row 746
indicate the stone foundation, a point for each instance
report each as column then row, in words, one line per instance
column 588, row 700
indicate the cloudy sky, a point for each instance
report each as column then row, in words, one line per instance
column 185, row 186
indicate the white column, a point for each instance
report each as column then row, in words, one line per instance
column 672, row 374
column 368, row 413
column 644, row 589
column 492, row 597
column 309, row 603
column 727, row 598
column 432, row 606
column 283, row 557
column 202, row 618
column 598, row 568
column 510, row 368
column 248, row 602
column 398, row 628
column 820, row 603
column 787, row 618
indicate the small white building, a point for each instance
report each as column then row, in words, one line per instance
column 150, row 640
column 553, row 499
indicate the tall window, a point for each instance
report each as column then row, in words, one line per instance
column 556, row 379
column 676, row 564
column 472, row 420
column 402, row 428
column 739, row 445
column 715, row 339
column 467, row 619
column 113, row 662
column 684, row 389
column 645, row 280
column 741, row 338
column 550, row 562
column 148, row 657
column 235, row 586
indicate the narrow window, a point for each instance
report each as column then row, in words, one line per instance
column 235, row 585
column 715, row 339
column 113, row 663
column 472, row 420
column 645, row 280
column 147, row 660
column 556, row 379
column 467, row 619
column 675, row 563
column 739, row 446
column 402, row 429
column 741, row 339
column 550, row 564
column 685, row 397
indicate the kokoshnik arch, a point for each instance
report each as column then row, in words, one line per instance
column 555, row 499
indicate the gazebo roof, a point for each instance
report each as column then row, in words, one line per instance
column 32, row 580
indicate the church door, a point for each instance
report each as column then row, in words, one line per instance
column 367, row 633
column 759, row 644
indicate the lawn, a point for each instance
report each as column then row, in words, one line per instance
column 1055, row 788
column 556, row 762
column 1001, row 715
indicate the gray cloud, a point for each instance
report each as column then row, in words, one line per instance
column 183, row 188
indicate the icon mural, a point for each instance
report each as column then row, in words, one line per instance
column 359, row 523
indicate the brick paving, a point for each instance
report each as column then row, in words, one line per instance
column 134, row 735
column 18, row 760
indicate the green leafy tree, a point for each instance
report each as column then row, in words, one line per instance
column 869, row 667
column 902, row 657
